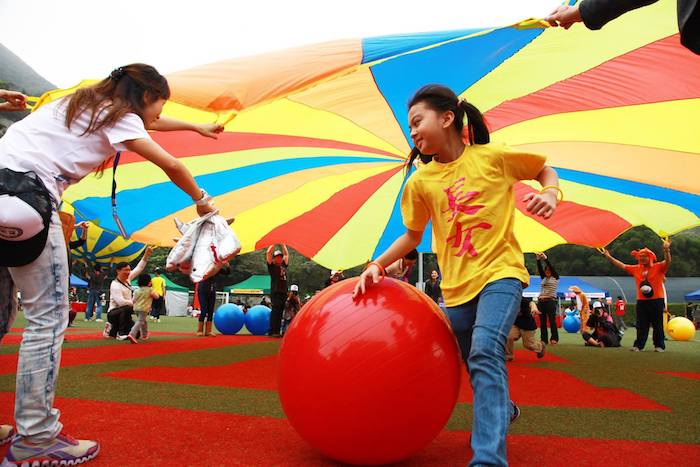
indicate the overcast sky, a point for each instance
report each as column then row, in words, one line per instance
column 69, row 40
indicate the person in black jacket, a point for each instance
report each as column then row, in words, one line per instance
column 596, row 13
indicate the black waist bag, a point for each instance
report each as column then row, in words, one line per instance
column 25, row 215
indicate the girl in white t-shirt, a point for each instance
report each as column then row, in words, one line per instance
column 61, row 143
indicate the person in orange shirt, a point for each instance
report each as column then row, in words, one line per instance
column 651, row 294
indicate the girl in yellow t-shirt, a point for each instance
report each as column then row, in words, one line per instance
column 466, row 190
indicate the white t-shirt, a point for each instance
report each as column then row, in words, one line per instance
column 59, row 156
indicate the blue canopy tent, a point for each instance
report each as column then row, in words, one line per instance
column 693, row 296
column 563, row 288
column 76, row 281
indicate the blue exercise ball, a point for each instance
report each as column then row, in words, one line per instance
column 257, row 320
column 572, row 324
column 229, row 319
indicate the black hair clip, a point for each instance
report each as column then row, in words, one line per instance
column 117, row 73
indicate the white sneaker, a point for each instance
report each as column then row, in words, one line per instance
column 99, row 320
column 63, row 450
column 635, row 349
column 122, row 338
column 658, row 349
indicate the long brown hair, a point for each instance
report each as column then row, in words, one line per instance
column 128, row 88
column 443, row 99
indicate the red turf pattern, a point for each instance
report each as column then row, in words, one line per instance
column 256, row 373
column 128, row 351
column 662, row 71
column 688, row 375
column 527, row 383
column 327, row 218
column 132, row 434
column 576, row 223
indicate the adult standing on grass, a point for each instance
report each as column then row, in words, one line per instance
column 96, row 284
column 277, row 264
column 547, row 301
column 40, row 156
column 620, row 306
column 651, row 294
column 158, row 286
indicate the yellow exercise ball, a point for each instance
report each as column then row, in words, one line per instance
column 681, row 329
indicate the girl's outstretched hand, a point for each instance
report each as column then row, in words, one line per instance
column 210, row 130
column 371, row 275
column 541, row 204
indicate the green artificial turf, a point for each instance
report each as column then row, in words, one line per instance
column 605, row 368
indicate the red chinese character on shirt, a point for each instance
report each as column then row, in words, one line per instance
column 457, row 201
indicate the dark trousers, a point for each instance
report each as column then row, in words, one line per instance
column 548, row 308
column 158, row 307
column 120, row 319
column 650, row 312
column 278, row 301
column 207, row 301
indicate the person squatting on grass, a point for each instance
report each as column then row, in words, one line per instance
column 121, row 298
column 465, row 188
column 52, row 148
column 525, row 327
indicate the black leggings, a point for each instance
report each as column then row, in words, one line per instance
column 120, row 319
column 207, row 301
column 548, row 308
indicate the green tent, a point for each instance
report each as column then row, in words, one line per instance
column 169, row 285
column 254, row 285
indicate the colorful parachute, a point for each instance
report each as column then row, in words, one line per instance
column 314, row 156
column 103, row 247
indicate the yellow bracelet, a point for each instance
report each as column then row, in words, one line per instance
column 560, row 196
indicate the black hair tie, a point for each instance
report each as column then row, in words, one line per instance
column 117, row 73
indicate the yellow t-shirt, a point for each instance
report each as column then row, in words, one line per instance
column 158, row 285
column 471, row 204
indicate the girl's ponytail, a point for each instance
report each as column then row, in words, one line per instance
column 477, row 130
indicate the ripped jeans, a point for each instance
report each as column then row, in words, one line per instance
column 44, row 288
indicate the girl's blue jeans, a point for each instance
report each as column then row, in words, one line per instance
column 44, row 287
column 481, row 327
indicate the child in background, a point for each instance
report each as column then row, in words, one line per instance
column 525, row 327
column 143, row 300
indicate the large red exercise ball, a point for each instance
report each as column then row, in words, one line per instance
column 371, row 381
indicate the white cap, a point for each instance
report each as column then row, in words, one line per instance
column 335, row 271
column 597, row 304
column 294, row 288
column 277, row 253
column 18, row 220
